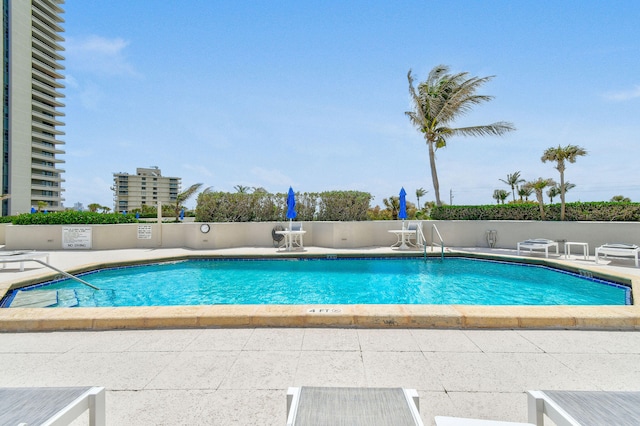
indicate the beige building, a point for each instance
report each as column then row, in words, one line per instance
column 146, row 187
column 31, row 63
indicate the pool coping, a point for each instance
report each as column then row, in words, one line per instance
column 344, row 316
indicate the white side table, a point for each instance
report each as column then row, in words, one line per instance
column 567, row 248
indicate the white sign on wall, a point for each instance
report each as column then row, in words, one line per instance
column 76, row 237
column 144, row 232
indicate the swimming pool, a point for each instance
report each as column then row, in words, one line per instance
column 334, row 281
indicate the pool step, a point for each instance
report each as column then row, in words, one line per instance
column 44, row 299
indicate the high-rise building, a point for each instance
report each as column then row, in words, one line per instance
column 32, row 80
column 146, row 187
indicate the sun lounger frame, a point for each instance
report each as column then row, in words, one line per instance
column 538, row 245
column 606, row 251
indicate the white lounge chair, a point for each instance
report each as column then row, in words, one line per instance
column 21, row 256
column 353, row 406
column 51, row 406
column 584, row 407
column 618, row 250
column 538, row 244
column 461, row 421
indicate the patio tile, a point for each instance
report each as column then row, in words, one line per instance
column 276, row 339
column 220, row 339
column 262, row 370
column 605, row 371
column 580, row 341
column 474, row 372
column 401, row 340
column 330, row 368
column 243, row 407
column 500, row 341
column 444, row 341
column 194, row 370
column 400, row 369
column 503, row 406
column 330, row 339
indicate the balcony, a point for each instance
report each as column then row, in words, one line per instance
column 44, row 157
column 46, row 108
column 39, row 96
column 35, row 167
column 42, row 57
column 47, row 26
column 53, row 177
column 41, row 116
column 46, row 89
column 44, row 11
column 45, row 49
column 46, row 78
column 40, row 136
column 46, row 129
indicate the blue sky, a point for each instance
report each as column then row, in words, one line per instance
column 312, row 94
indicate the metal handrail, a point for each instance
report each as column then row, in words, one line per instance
column 66, row 274
column 435, row 228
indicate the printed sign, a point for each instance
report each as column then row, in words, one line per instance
column 76, row 237
column 324, row 311
column 144, row 232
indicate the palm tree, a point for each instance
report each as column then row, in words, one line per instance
column 420, row 192
column 560, row 155
column 93, row 207
column 553, row 192
column 392, row 204
column 240, row 189
column 500, row 195
column 513, row 180
column 525, row 192
column 538, row 186
column 441, row 99
column 184, row 196
column 620, row 199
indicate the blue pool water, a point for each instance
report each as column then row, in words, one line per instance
column 340, row 281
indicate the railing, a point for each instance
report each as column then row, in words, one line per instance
column 435, row 228
column 66, row 274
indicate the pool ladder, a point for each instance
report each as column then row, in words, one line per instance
column 434, row 231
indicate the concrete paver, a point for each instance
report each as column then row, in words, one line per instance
column 240, row 377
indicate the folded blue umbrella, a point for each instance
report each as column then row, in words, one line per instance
column 402, row 214
column 291, row 205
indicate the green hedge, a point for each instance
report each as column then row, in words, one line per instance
column 266, row 207
column 72, row 218
column 591, row 211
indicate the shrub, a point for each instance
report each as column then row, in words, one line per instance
column 72, row 217
column 590, row 211
column 265, row 207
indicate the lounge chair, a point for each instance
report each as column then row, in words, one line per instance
column 584, row 407
column 538, row 244
column 618, row 250
column 460, row 421
column 353, row 406
column 21, row 256
column 51, row 406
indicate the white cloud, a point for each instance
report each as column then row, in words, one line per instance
column 623, row 95
column 99, row 55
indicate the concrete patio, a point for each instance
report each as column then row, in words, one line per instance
column 240, row 376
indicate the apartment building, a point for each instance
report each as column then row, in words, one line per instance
column 146, row 187
column 32, row 117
